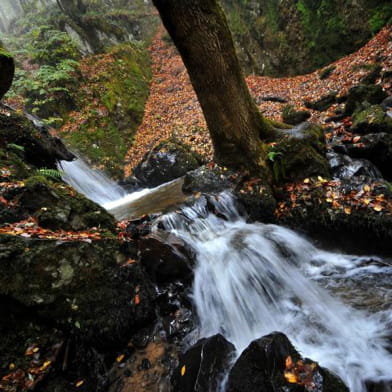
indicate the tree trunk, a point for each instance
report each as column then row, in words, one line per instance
column 201, row 34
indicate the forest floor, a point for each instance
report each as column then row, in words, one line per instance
column 173, row 109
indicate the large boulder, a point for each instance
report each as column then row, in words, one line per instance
column 271, row 363
column 202, row 367
column 7, row 70
column 78, row 286
column 165, row 257
column 323, row 103
column 167, row 161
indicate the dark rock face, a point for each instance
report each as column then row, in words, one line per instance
column 167, row 161
column 323, row 103
column 294, row 117
column 377, row 148
column 362, row 94
column 78, row 286
column 263, row 365
column 165, row 257
column 7, row 70
column 202, row 367
column 40, row 148
column 371, row 120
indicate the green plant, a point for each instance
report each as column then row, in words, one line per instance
column 50, row 173
column 276, row 161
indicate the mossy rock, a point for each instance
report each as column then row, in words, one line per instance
column 77, row 286
column 371, row 120
column 294, row 117
column 40, row 148
column 7, row 71
column 58, row 206
column 299, row 153
column 363, row 94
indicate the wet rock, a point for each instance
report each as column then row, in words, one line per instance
column 371, row 120
column 379, row 386
column 362, row 94
column 265, row 362
column 294, row 117
column 165, row 257
column 377, row 148
column 77, row 286
column 58, row 206
column 344, row 167
column 207, row 180
column 7, row 70
column 169, row 160
column 323, row 103
column 386, row 103
column 202, row 367
column 40, row 148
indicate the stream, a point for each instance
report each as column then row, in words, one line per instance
column 252, row 279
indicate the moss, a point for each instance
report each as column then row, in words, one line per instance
column 123, row 90
column 372, row 119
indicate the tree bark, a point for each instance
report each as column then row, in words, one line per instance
column 201, row 34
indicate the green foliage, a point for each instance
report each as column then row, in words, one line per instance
column 49, row 173
column 15, row 147
column 381, row 15
column 49, row 46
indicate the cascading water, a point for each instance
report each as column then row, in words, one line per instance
column 252, row 279
column 92, row 183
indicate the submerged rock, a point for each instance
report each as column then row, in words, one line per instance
column 202, row 367
column 167, row 161
column 271, row 363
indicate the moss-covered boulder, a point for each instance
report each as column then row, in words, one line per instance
column 79, row 286
column 294, row 117
column 167, row 161
column 371, row 120
column 39, row 147
column 299, row 153
column 58, row 206
column 7, row 70
column 363, row 94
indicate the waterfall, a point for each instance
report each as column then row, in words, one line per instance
column 92, row 183
column 252, row 279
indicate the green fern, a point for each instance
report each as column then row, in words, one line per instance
column 51, row 173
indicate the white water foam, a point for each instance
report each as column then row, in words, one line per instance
column 252, row 279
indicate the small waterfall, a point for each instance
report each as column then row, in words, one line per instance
column 98, row 187
column 92, row 183
column 252, row 279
